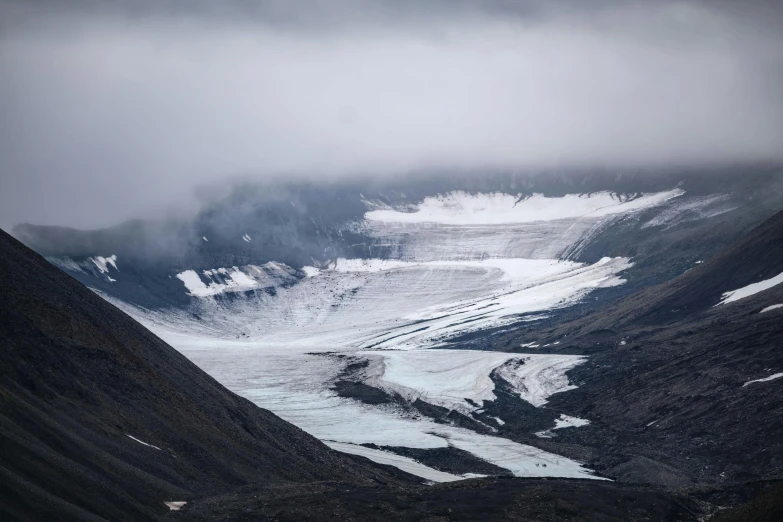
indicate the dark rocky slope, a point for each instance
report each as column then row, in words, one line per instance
column 78, row 377
column 539, row 500
column 665, row 384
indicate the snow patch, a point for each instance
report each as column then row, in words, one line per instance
column 537, row 377
column 770, row 308
column 175, row 505
column 142, row 442
column 765, row 379
column 246, row 238
column 205, row 238
column 103, row 263
column 236, row 279
column 463, row 208
column 392, row 459
column 458, row 379
column 566, row 421
column 752, row 289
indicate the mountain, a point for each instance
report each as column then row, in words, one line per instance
column 682, row 384
column 101, row 420
column 560, row 327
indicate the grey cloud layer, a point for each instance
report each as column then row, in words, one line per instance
column 113, row 112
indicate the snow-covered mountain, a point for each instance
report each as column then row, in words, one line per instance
column 341, row 307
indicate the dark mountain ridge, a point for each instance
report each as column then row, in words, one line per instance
column 100, row 418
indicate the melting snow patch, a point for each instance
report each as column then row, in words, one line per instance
column 770, row 308
column 536, row 378
column 566, row 421
column 176, row 505
column 499, row 421
column 392, row 459
column 103, row 262
column 246, row 238
column 765, row 379
column 235, row 279
column 142, row 442
column 205, row 238
column 755, row 288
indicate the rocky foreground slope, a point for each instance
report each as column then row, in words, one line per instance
column 101, row 419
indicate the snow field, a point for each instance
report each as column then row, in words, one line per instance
column 448, row 377
column 752, row 289
column 462, row 208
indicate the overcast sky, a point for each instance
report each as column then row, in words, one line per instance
column 109, row 113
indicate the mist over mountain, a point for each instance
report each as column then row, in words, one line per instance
column 114, row 111
column 391, row 260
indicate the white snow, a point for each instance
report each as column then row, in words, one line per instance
column 770, row 308
column 500, row 421
column 378, row 304
column 175, row 505
column 566, row 421
column 392, row 459
column 142, row 442
column 450, row 378
column 459, row 263
column 765, row 379
column 537, row 377
column 205, row 238
column 694, row 208
column 103, row 263
column 295, row 384
column 311, row 271
column 236, row 279
column 752, row 289
column 462, row 208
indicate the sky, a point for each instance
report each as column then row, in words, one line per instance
column 116, row 110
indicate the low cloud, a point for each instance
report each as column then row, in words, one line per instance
column 113, row 113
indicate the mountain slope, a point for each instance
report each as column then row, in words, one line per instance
column 100, row 418
column 756, row 257
column 681, row 390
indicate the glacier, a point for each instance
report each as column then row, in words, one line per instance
column 453, row 264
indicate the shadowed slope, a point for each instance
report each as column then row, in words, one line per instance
column 79, row 378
